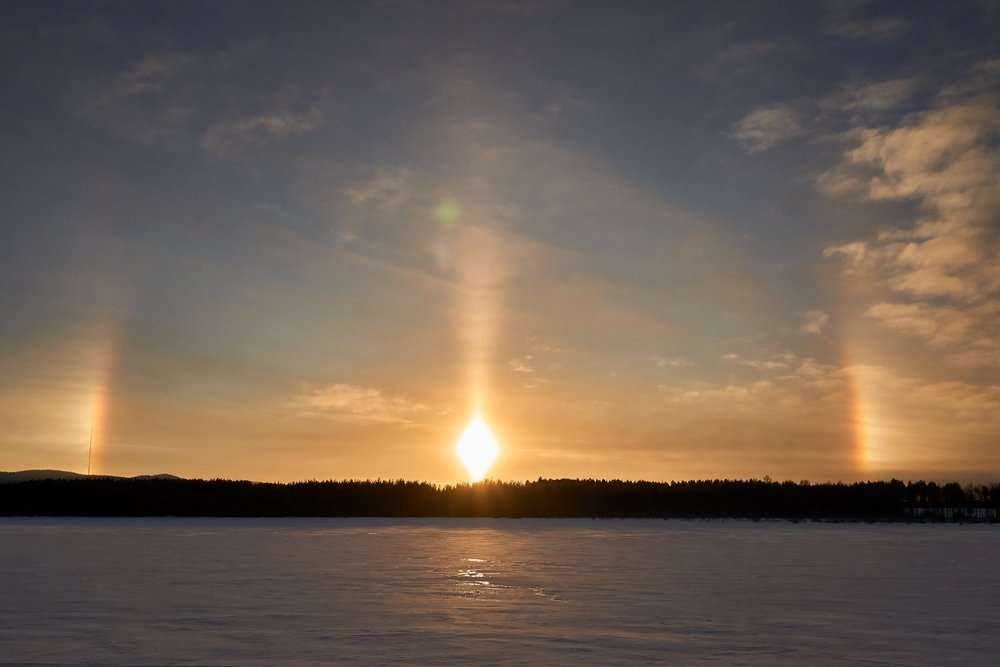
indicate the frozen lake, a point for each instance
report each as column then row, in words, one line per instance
column 323, row 591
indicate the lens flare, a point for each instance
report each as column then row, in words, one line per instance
column 477, row 448
column 447, row 212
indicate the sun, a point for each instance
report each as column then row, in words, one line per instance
column 477, row 448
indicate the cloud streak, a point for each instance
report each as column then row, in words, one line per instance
column 766, row 128
column 350, row 402
column 227, row 138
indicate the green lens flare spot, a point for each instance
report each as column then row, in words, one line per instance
column 447, row 212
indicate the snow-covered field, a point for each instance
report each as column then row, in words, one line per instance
column 457, row 592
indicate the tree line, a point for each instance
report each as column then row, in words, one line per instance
column 878, row 500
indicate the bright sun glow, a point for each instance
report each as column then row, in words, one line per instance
column 477, row 448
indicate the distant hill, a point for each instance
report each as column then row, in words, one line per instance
column 32, row 475
column 29, row 475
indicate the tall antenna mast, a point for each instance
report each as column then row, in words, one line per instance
column 90, row 450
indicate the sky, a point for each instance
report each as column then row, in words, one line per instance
column 655, row 240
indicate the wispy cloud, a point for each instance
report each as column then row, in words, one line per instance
column 874, row 96
column 149, row 75
column 821, row 397
column 357, row 403
column 859, row 103
column 801, row 384
column 673, row 362
column 814, row 321
column 150, row 102
column 522, row 365
column 756, row 49
column 946, row 265
column 766, row 128
column 776, row 362
column 969, row 333
column 227, row 138
column 387, row 187
column 939, row 326
column 172, row 100
column 849, row 20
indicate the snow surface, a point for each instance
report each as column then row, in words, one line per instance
column 457, row 592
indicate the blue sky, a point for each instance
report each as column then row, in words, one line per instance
column 646, row 240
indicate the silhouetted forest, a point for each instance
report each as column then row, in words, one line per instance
column 892, row 500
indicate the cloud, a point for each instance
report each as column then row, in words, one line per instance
column 151, row 102
column 814, row 400
column 388, row 187
column 765, row 128
column 525, row 366
column 765, row 364
column 872, row 97
column 939, row 326
column 803, row 385
column 356, row 403
column 947, row 262
column 776, row 362
column 855, row 252
column 179, row 99
column 982, row 79
column 676, row 362
column 149, row 75
column 945, row 406
column 227, row 138
column 970, row 334
column 535, row 381
column 814, row 322
column 878, row 29
column 534, row 367
column 739, row 54
column 522, row 365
